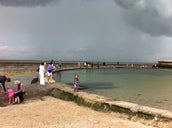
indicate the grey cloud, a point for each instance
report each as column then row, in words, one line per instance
column 85, row 30
column 127, row 3
column 26, row 3
column 151, row 17
column 155, row 7
column 150, row 24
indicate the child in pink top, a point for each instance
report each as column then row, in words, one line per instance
column 10, row 95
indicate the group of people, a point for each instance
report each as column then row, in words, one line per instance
column 13, row 96
column 17, row 96
column 42, row 71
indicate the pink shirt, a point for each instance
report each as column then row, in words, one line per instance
column 10, row 93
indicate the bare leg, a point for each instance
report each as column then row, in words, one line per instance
column 17, row 100
column 9, row 101
column 48, row 79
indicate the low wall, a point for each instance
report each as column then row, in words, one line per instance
column 97, row 102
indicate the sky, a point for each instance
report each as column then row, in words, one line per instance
column 86, row 30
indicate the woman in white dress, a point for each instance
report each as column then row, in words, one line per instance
column 41, row 73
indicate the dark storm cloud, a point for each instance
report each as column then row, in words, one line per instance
column 26, row 3
column 152, row 17
column 87, row 30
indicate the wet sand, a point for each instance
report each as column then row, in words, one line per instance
column 41, row 110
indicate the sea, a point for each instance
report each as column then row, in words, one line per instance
column 144, row 86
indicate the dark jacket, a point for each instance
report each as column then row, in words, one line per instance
column 2, row 81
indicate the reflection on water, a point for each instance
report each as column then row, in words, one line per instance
column 150, row 87
column 99, row 85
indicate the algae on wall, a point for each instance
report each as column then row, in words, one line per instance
column 96, row 105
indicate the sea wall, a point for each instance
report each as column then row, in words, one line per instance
column 78, row 64
column 97, row 102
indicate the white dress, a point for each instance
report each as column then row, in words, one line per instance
column 41, row 74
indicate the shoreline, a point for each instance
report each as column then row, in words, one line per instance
column 36, row 93
column 134, row 112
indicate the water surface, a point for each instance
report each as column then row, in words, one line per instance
column 151, row 87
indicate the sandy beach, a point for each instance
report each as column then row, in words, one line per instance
column 49, row 112
column 42, row 110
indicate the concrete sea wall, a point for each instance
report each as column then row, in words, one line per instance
column 97, row 102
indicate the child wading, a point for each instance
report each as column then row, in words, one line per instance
column 76, row 83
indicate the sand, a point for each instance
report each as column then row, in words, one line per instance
column 50, row 112
column 42, row 111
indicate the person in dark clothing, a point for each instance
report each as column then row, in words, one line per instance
column 4, row 79
column 20, row 91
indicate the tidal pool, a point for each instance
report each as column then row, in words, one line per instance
column 150, row 87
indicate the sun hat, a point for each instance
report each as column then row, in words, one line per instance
column 17, row 82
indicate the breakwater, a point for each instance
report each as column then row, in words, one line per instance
column 97, row 102
column 65, row 64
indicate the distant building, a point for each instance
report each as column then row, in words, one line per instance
column 165, row 63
